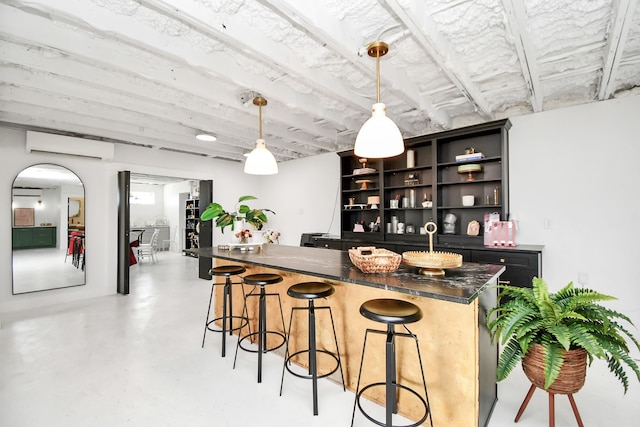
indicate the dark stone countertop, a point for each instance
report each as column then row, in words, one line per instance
column 460, row 285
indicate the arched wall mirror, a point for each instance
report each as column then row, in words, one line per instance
column 48, row 229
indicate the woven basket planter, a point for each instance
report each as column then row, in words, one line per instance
column 572, row 374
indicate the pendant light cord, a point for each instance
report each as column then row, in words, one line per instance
column 378, row 78
column 260, row 118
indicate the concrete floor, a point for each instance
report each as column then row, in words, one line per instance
column 136, row 360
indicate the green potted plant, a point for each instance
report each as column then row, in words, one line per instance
column 242, row 213
column 544, row 330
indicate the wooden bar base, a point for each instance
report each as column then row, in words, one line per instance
column 459, row 361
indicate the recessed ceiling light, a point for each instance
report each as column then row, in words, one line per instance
column 206, row 137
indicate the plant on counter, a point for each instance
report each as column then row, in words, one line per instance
column 223, row 218
column 532, row 321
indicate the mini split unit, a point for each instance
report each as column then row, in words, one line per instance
column 38, row 142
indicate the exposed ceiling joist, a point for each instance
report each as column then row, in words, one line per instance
column 616, row 40
column 441, row 52
column 516, row 15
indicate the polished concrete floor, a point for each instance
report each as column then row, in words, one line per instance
column 55, row 270
column 137, row 360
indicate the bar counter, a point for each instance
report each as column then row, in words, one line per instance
column 458, row 357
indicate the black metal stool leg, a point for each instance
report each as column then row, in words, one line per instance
column 206, row 322
column 390, row 363
column 262, row 327
column 230, row 296
column 225, row 298
column 313, row 368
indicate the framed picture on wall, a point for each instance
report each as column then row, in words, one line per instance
column 23, row 217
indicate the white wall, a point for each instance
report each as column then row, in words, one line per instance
column 305, row 197
column 100, row 180
column 572, row 166
column 575, row 167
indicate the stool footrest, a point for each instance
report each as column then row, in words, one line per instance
column 250, row 350
column 309, row 376
column 404, row 387
column 245, row 323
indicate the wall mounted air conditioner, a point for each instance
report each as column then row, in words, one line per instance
column 27, row 192
column 38, row 142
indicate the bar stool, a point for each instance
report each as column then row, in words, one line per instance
column 227, row 271
column 391, row 312
column 311, row 291
column 261, row 280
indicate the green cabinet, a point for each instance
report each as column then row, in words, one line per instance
column 34, row 237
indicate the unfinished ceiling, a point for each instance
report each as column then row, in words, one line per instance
column 157, row 72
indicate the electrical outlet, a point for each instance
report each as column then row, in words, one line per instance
column 583, row 278
column 547, row 224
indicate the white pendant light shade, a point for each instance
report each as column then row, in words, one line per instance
column 260, row 161
column 379, row 137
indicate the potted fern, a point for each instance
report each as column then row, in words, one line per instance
column 545, row 331
column 243, row 213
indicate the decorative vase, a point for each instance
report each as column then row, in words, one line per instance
column 572, row 374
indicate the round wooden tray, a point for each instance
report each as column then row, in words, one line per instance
column 432, row 263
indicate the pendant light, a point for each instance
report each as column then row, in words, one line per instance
column 379, row 137
column 260, row 161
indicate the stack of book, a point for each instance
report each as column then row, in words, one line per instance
column 469, row 157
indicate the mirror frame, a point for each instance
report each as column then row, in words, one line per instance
column 61, row 179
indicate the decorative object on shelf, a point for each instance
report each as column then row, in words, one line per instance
column 244, row 235
column 374, row 201
column 356, row 206
column 411, row 158
column 426, row 201
column 394, row 204
column 260, row 161
column 473, row 228
column 545, row 330
column 374, row 260
column 410, row 229
column 470, row 169
column 498, row 233
column 364, row 183
column 352, row 201
column 412, row 179
column 496, row 200
column 450, row 223
column 469, row 155
column 255, row 217
column 379, row 137
column 412, row 198
column 400, row 228
column 432, row 263
column 358, row 228
column 468, row 200
column 364, row 169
